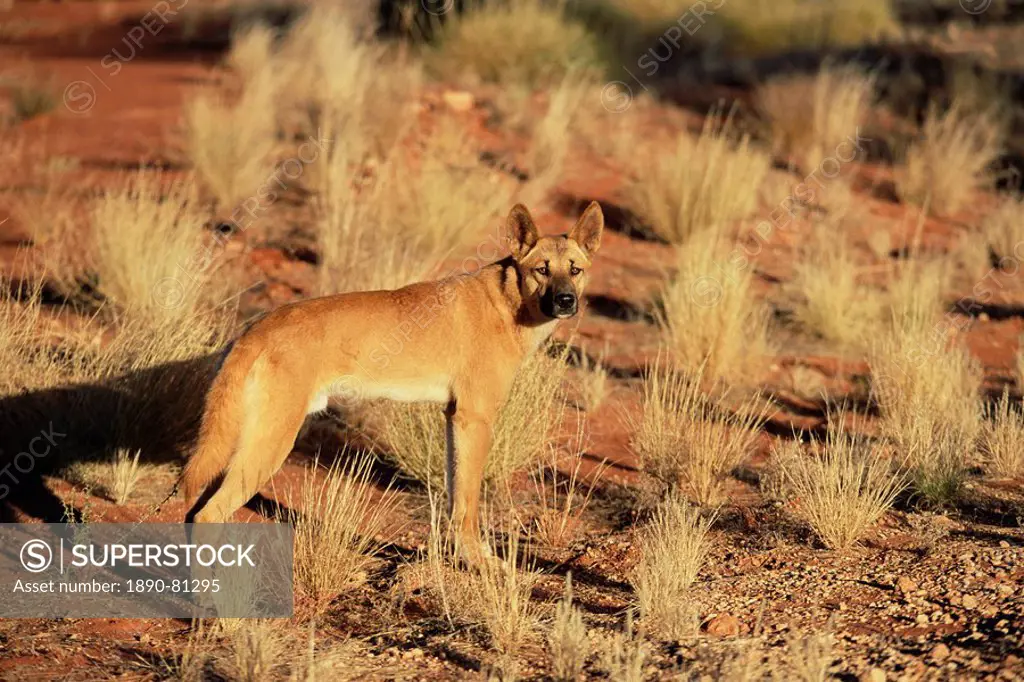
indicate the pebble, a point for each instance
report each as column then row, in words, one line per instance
column 940, row 652
column 905, row 584
column 873, row 675
column 723, row 625
column 970, row 601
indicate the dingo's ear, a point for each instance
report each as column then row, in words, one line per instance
column 587, row 230
column 521, row 231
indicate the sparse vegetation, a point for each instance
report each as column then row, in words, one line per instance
column 231, row 145
column 124, row 471
column 1003, row 230
column 336, row 529
column 687, row 440
column 705, row 183
column 673, row 547
column 809, row 118
column 842, row 489
column 709, row 316
column 529, row 41
column 1002, row 441
column 951, row 160
column 833, row 303
column 927, row 392
column 568, row 642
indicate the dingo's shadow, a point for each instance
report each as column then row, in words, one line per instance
column 155, row 412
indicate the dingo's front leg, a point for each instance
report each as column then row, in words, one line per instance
column 469, row 441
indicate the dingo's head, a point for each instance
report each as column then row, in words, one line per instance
column 553, row 270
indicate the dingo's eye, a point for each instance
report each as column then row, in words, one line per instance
column 543, row 271
column 575, row 270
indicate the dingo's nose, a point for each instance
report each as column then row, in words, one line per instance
column 565, row 301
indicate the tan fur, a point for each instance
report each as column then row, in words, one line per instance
column 457, row 341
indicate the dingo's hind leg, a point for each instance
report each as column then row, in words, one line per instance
column 263, row 448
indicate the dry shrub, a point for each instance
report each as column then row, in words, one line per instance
column 336, row 529
column 147, row 243
column 562, row 502
column 231, row 144
column 703, row 184
column 551, row 136
column 624, row 657
column 528, row 41
column 33, row 96
column 414, row 434
column 1002, row 441
column 251, row 52
column 833, row 303
column 396, row 227
column 916, row 294
column 568, row 641
column 685, row 439
column 810, row 657
column 256, row 649
column 592, row 382
column 496, row 595
column 951, row 160
column 758, row 27
column 1003, row 229
column 351, row 91
column 810, row 117
column 927, row 393
column 709, row 316
column 673, row 548
column 124, row 474
column 842, row 489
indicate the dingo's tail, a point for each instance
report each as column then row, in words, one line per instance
column 222, row 423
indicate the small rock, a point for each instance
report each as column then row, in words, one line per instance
column 723, row 625
column 1004, row 544
column 970, row 601
column 458, row 100
column 922, row 619
column 873, row 675
column 905, row 584
column 940, row 652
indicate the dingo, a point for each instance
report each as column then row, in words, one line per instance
column 471, row 334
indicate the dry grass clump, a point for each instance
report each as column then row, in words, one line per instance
column 927, row 393
column 673, row 548
column 336, row 529
column 685, row 439
column 833, row 303
column 810, row 657
column 1003, row 229
column 842, row 489
column 334, row 84
column 562, row 501
column 810, row 117
column 551, row 136
column 592, row 383
column 625, row 655
column 414, row 434
column 526, row 41
column 147, row 241
column 124, row 474
column 1002, row 440
column 951, row 160
column 705, row 183
column 758, row 27
column 31, row 97
column 709, row 316
column 495, row 595
column 568, row 641
column 397, row 226
column 230, row 144
column 251, row 52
